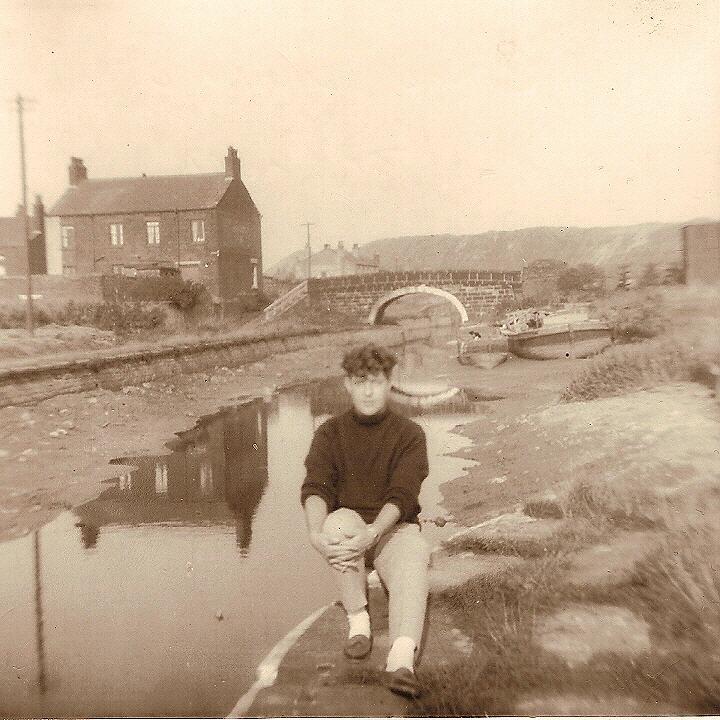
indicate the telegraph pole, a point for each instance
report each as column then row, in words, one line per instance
column 28, row 303
column 307, row 245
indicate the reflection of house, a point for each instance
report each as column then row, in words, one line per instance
column 701, row 253
column 13, row 248
column 332, row 262
column 215, row 474
column 206, row 225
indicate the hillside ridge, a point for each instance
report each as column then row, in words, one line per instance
column 608, row 247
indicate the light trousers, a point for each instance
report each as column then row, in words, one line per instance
column 401, row 558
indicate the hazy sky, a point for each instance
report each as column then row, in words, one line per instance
column 378, row 119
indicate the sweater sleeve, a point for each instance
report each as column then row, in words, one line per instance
column 408, row 474
column 321, row 474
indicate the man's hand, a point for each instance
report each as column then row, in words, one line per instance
column 357, row 545
column 333, row 550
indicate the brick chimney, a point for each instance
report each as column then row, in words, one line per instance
column 232, row 163
column 340, row 245
column 356, row 249
column 77, row 172
column 327, row 246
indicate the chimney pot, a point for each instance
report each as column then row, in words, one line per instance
column 232, row 163
column 77, row 172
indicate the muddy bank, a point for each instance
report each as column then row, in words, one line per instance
column 29, row 381
column 55, row 451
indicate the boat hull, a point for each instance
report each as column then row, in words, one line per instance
column 484, row 360
column 570, row 341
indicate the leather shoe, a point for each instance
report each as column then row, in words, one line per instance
column 403, row 681
column 358, row 647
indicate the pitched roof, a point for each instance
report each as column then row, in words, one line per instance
column 12, row 232
column 142, row 194
column 332, row 254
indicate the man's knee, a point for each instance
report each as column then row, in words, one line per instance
column 343, row 522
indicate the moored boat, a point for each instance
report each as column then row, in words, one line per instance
column 484, row 348
column 580, row 339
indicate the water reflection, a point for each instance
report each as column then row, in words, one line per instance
column 216, row 473
column 149, row 563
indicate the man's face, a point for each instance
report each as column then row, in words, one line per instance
column 369, row 393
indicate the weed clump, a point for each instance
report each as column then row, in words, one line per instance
column 622, row 370
column 639, row 317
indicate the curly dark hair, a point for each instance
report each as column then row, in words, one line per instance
column 368, row 359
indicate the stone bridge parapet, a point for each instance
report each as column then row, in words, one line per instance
column 367, row 296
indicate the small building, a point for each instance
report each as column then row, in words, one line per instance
column 13, row 246
column 333, row 262
column 701, row 253
column 205, row 225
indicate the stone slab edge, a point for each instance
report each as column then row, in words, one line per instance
column 93, row 370
column 267, row 670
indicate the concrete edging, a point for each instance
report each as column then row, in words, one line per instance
column 267, row 670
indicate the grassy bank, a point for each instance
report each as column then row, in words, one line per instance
column 672, row 590
column 676, row 592
column 662, row 335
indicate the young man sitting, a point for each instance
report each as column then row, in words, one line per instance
column 360, row 495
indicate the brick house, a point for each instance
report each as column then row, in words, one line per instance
column 333, row 262
column 13, row 248
column 206, row 225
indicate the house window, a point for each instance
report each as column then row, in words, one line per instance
column 198, row 230
column 116, row 234
column 153, row 232
column 254, row 273
column 67, row 234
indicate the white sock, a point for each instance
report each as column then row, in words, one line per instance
column 402, row 654
column 359, row 623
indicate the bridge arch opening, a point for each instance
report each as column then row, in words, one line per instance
column 378, row 309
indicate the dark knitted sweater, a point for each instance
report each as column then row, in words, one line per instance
column 363, row 462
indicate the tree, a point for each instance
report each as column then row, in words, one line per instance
column 650, row 276
column 585, row 278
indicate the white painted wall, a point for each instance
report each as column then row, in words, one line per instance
column 53, row 251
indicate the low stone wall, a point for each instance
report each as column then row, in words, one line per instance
column 479, row 291
column 115, row 369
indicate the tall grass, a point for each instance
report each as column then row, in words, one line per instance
column 637, row 367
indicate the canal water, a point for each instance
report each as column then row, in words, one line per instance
column 162, row 595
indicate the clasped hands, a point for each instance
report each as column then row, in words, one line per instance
column 342, row 551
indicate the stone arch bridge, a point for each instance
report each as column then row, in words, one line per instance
column 472, row 292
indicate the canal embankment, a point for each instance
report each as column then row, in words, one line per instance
column 583, row 579
column 64, row 419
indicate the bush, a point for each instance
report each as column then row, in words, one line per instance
column 586, row 278
column 120, row 317
column 639, row 317
column 623, row 370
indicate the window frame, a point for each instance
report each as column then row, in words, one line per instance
column 195, row 223
column 117, row 239
column 67, row 236
column 153, row 225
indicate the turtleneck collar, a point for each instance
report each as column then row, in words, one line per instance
column 369, row 419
